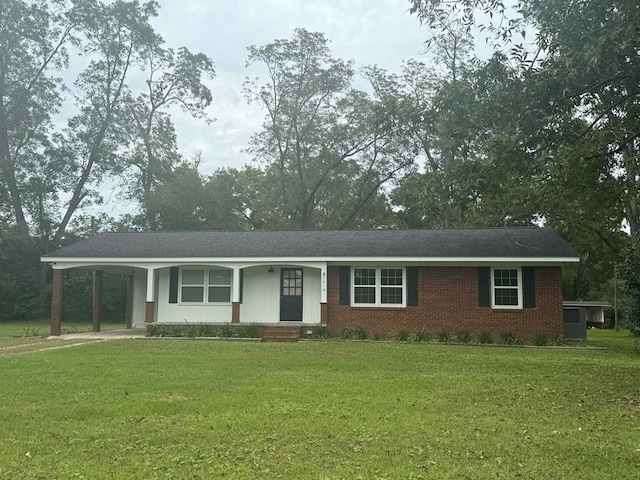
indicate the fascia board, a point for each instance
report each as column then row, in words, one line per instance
column 142, row 262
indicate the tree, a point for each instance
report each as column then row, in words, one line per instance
column 582, row 69
column 33, row 36
column 173, row 79
column 321, row 139
column 573, row 149
column 51, row 173
column 51, row 170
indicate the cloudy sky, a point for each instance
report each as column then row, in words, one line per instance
column 368, row 31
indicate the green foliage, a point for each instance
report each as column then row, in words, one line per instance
column 248, row 331
column 443, row 336
column 402, row 335
column 509, row 338
column 21, row 295
column 33, row 331
column 541, row 339
column 327, row 148
column 485, row 338
column 357, row 333
column 630, row 274
column 320, row 332
column 463, row 336
column 420, row 336
column 78, row 295
column 198, row 330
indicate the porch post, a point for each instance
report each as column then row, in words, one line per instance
column 235, row 295
column 56, row 301
column 150, row 307
column 128, row 313
column 323, row 294
column 97, row 298
column 235, row 312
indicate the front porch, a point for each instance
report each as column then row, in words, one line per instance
column 209, row 293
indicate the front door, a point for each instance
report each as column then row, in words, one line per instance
column 291, row 295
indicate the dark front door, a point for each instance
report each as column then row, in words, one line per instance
column 291, row 295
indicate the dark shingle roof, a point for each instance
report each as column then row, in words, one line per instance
column 469, row 243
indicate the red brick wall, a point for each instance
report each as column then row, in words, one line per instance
column 448, row 300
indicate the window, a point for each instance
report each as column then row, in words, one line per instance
column 507, row 288
column 215, row 282
column 379, row 287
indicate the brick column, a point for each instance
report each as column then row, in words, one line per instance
column 56, row 301
column 150, row 312
column 235, row 312
column 323, row 313
column 98, row 276
column 128, row 313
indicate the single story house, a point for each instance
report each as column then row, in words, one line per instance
column 384, row 281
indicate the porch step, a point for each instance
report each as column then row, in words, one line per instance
column 281, row 334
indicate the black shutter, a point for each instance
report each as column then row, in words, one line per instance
column 412, row 286
column 529, row 287
column 173, row 284
column 241, row 284
column 345, row 285
column 484, row 286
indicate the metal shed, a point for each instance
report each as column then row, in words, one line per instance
column 578, row 315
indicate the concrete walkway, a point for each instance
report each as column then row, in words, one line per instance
column 106, row 335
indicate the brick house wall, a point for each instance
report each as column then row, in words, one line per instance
column 448, row 299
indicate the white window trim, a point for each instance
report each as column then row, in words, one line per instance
column 493, row 289
column 378, row 287
column 206, row 285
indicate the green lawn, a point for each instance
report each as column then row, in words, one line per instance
column 323, row 410
column 32, row 330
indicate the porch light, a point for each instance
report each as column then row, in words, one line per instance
column 271, row 270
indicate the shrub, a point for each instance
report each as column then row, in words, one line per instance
column 420, row 336
column 357, row 333
column 485, row 337
column 463, row 336
column 155, row 330
column 443, row 336
column 541, row 339
column 247, row 331
column 320, row 331
column 227, row 330
column 509, row 338
column 402, row 335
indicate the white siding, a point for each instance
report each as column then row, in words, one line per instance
column 261, row 295
column 139, row 297
column 178, row 313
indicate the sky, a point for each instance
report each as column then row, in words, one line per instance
column 369, row 32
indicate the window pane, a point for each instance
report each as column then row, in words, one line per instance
column 364, row 276
column 506, row 296
column 391, row 295
column 505, row 278
column 192, row 294
column 219, row 277
column 193, row 277
column 219, row 294
column 364, row 295
column 391, row 276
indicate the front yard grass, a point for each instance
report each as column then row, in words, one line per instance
column 320, row 410
column 13, row 333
